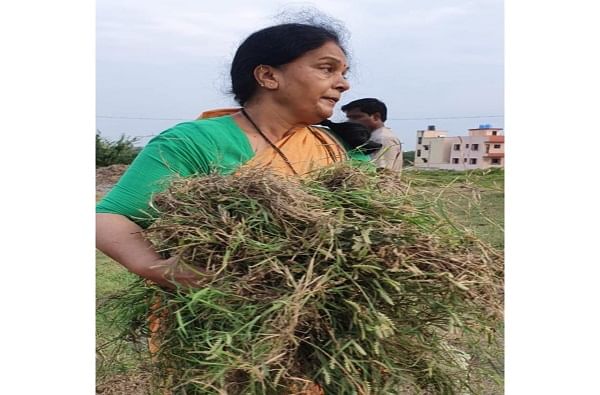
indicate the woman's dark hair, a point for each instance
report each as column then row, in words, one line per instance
column 355, row 135
column 274, row 46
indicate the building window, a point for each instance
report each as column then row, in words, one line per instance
column 426, row 147
column 420, row 140
column 497, row 146
column 494, row 133
column 455, row 161
column 473, row 161
column 418, row 152
column 474, row 147
column 487, row 148
column 424, row 160
column 465, row 160
column 456, row 147
column 466, row 145
column 495, row 161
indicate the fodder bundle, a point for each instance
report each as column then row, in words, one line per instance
column 347, row 281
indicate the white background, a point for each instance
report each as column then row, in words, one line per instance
column 47, row 93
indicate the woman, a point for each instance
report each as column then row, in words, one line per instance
column 286, row 78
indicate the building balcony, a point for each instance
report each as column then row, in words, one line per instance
column 494, row 155
column 495, row 139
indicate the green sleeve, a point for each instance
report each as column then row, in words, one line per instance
column 167, row 155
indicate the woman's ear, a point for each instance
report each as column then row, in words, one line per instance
column 265, row 77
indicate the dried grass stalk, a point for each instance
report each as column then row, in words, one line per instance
column 349, row 279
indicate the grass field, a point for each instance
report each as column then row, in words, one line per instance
column 110, row 278
column 474, row 200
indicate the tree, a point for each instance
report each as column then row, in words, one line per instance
column 122, row 151
column 408, row 158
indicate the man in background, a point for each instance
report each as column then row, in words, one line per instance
column 372, row 114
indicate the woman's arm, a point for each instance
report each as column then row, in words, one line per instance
column 122, row 240
column 170, row 154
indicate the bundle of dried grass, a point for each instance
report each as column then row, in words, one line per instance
column 348, row 279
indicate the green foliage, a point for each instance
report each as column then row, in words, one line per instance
column 112, row 356
column 408, row 158
column 350, row 279
column 122, row 151
column 472, row 201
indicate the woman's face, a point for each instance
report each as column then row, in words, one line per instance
column 311, row 85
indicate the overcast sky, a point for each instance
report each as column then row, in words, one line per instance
column 169, row 60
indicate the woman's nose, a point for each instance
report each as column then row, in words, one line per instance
column 342, row 84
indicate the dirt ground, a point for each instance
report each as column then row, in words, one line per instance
column 106, row 177
column 132, row 384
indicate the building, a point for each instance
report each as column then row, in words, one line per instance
column 481, row 149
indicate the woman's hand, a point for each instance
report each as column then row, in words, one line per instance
column 170, row 273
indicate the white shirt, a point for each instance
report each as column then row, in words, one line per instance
column 390, row 154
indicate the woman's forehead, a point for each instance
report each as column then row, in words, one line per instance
column 328, row 51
